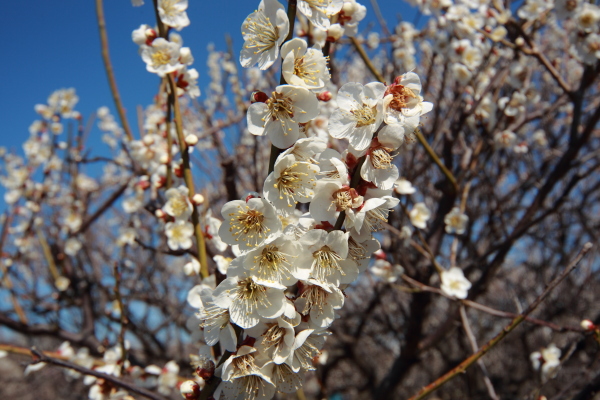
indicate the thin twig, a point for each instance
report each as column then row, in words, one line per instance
column 462, row 367
column 475, row 348
column 109, row 69
column 41, row 357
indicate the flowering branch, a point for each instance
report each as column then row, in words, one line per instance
column 462, row 367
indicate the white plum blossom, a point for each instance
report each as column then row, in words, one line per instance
column 505, row 139
column 456, row 221
column 249, row 301
column 549, row 361
column 403, row 186
column 161, row 57
column 291, row 182
column 378, row 167
column 454, row 283
column 359, row 113
column 278, row 117
column 352, row 13
column 533, row 9
column 178, row 204
column 172, row 13
column 385, row 270
column 248, row 223
column 275, row 262
column 264, row 31
column 214, row 320
column 319, row 301
column 179, row 234
column 303, row 66
column 403, row 102
column 319, row 11
column 327, row 253
column 243, row 379
column 333, row 196
column 419, row 215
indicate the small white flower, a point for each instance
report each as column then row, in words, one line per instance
column 280, row 115
column 403, row 102
column 178, row 203
column 179, row 235
column 161, row 57
column 378, row 167
column 359, row 113
column 291, row 182
column 456, row 221
column 505, row 139
column 302, row 66
column 192, row 267
column 549, row 361
column 264, row 31
column 319, row 301
column 319, row 11
column 172, row 13
column 72, row 246
column 454, row 283
column 241, row 375
column 326, row 252
column 248, row 222
column 419, row 215
column 248, row 301
column 385, row 270
column 403, row 186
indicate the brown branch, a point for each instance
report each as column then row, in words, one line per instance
column 109, row 69
column 41, row 357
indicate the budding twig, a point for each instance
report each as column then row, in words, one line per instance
column 462, row 367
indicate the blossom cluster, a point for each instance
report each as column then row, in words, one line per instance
column 283, row 288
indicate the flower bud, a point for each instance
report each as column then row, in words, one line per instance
column 164, row 159
column 325, row 96
column 258, row 97
column 160, row 214
column 588, row 325
column 520, row 41
column 191, row 140
column 349, row 8
column 185, row 56
column 198, row 199
column 206, row 369
column 334, row 32
column 190, row 390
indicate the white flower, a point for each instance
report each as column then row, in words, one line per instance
column 549, row 359
column 454, row 283
column 178, row 203
column 212, row 231
column 533, row 9
column 372, row 215
column 352, row 13
column 505, row 139
column 319, row 11
column 587, row 17
column 248, row 222
column 280, row 115
column 319, row 301
column 275, row 339
column 378, row 167
column 161, row 57
column 302, row 66
column 243, row 379
column 179, row 235
column 456, row 221
column 419, row 215
column 326, row 252
column 385, row 270
column 403, row 186
column 72, row 246
column 172, row 13
column 359, row 113
column 192, row 267
column 248, row 301
column 333, row 196
column 290, row 182
column 222, row 263
column 264, row 31
column 403, row 102
column 275, row 262
column 214, row 320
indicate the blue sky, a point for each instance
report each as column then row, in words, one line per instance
column 55, row 44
